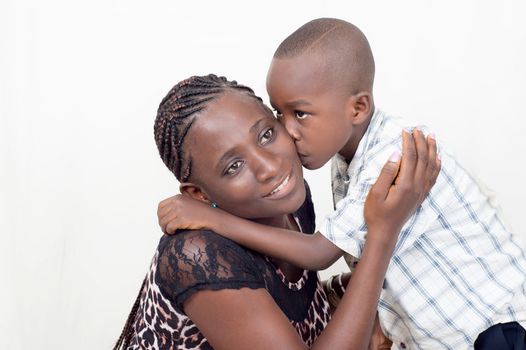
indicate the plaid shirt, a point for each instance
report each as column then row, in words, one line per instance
column 456, row 269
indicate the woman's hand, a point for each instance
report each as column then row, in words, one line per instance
column 183, row 212
column 402, row 186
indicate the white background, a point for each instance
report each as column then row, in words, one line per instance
column 80, row 177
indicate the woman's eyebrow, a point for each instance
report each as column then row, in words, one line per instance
column 254, row 128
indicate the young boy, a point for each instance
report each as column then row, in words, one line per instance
column 456, row 274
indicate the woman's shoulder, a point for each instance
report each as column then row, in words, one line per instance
column 201, row 243
column 193, row 260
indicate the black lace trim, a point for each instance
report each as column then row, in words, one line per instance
column 216, row 286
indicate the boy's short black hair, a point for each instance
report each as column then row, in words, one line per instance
column 341, row 44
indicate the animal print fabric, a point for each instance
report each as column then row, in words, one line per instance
column 191, row 261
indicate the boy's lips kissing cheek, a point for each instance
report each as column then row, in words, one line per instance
column 303, row 158
column 301, row 154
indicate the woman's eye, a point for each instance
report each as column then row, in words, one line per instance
column 300, row 114
column 234, row 167
column 267, row 136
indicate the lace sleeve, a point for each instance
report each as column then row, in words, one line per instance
column 197, row 260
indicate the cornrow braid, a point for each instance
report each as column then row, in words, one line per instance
column 177, row 112
column 127, row 332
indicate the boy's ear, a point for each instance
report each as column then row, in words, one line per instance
column 194, row 191
column 360, row 107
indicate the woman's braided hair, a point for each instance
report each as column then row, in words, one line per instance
column 175, row 116
column 177, row 112
column 128, row 331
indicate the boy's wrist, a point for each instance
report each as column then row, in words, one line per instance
column 222, row 222
column 213, row 219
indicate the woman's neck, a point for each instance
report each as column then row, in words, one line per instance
column 281, row 221
column 286, row 221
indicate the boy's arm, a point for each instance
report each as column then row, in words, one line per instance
column 418, row 173
column 311, row 252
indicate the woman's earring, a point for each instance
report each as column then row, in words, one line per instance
column 213, row 205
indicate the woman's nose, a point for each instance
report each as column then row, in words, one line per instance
column 267, row 165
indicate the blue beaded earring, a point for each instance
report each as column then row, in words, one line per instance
column 213, row 205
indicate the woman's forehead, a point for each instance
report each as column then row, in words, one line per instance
column 232, row 111
column 230, row 120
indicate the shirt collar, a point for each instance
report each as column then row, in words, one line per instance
column 344, row 170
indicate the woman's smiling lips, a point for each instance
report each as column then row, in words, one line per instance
column 283, row 188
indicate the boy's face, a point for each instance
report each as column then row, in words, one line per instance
column 310, row 106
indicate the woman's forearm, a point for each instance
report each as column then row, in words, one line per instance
column 352, row 323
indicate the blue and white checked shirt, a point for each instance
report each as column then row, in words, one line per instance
column 456, row 269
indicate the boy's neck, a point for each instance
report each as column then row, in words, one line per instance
column 349, row 150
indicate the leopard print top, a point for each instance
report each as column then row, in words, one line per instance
column 176, row 273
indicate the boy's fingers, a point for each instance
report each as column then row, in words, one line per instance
column 163, row 211
column 164, row 202
column 423, row 155
column 172, row 224
column 171, row 227
column 387, row 176
column 409, row 157
column 166, row 221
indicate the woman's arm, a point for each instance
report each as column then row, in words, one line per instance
column 245, row 318
column 312, row 252
column 387, row 207
column 242, row 319
column 334, row 288
column 195, row 264
column 250, row 319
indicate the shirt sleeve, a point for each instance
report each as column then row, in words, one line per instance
column 346, row 226
column 193, row 261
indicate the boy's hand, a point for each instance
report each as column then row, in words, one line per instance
column 183, row 212
column 403, row 185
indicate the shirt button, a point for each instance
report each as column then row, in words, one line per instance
column 402, row 345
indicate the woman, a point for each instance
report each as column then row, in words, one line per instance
column 204, row 291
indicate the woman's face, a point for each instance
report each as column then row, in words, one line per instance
column 243, row 159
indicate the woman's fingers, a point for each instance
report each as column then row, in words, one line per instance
column 422, row 152
column 433, row 167
column 387, row 176
column 409, row 159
